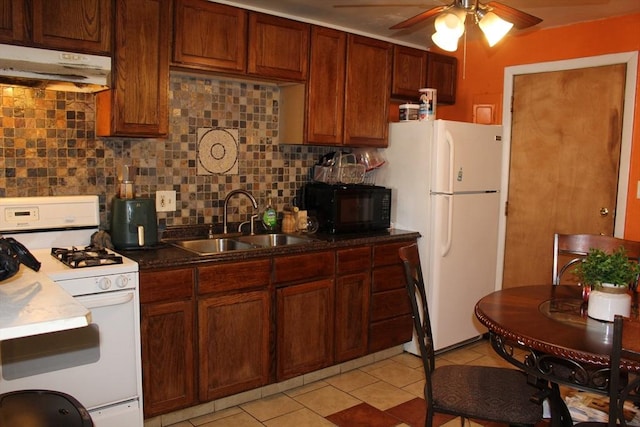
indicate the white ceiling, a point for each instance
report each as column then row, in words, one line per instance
column 375, row 21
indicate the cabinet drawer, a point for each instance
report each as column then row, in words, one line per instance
column 385, row 305
column 161, row 285
column 387, row 254
column 387, row 278
column 353, row 260
column 306, row 266
column 234, row 276
column 388, row 333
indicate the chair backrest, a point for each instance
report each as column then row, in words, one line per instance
column 569, row 249
column 623, row 387
column 419, row 309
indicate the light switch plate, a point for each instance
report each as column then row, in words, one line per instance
column 165, row 201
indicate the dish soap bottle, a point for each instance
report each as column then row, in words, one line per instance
column 269, row 217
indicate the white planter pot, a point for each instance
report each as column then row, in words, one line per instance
column 605, row 305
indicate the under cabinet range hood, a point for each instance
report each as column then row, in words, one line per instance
column 55, row 70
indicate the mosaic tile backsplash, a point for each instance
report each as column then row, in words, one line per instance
column 48, row 147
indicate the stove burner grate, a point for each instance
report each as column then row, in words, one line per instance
column 90, row 256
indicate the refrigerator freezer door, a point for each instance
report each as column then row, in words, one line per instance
column 467, row 157
column 463, row 268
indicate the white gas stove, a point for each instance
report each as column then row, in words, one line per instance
column 100, row 364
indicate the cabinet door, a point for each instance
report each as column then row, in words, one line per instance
column 168, row 373
column 12, row 21
column 325, row 100
column 442, row 74
column 409, row 72
column 352, row 315
column 304, row 328
column 77, row 25
column 367, row 92
column 353, row 286
column 278, row 47
column 210, row 36
column 233, row 343
column 139, row 103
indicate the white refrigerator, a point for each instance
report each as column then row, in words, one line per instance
column 445, row 179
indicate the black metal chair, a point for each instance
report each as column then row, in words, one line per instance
column 475, row 392
column 574, row 247
column 623, row 387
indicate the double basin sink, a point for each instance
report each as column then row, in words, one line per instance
column 217, row 245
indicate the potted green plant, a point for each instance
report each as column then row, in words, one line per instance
column 609, row 276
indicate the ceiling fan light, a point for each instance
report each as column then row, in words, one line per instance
column 445, row 41
column 494, row 27
column 450, row 23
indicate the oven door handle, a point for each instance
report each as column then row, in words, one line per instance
column 105, row 300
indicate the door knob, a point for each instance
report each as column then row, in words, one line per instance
column 604, row 211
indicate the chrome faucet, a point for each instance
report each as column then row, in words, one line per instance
column 226, row 203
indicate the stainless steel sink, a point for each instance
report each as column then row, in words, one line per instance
column 214, row 246
column 273, row 240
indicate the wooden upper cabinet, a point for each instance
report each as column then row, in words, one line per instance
column 409, row 72
column 138, row 104
column 442, row 72
column 209, row 35
column 367, row 92
column 278, row 47
column 325, row 93
column 75, row 25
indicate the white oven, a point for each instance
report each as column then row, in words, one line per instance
column 99, row 364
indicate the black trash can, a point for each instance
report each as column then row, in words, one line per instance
column 42, row 408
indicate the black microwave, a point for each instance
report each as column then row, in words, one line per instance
column 348, row 208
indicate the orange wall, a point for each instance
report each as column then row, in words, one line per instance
column 481, row 75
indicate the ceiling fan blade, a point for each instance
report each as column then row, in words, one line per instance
column 519, row 18
column 419, row 18
column 384, row 5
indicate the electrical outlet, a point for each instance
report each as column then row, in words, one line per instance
column 165, row 201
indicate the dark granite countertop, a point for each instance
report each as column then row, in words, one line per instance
column 167, row 255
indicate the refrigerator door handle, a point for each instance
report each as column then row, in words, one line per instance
column 448, row 200
column 449, row 141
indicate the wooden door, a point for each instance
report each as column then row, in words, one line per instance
column 368, row 89
column 325, row 99
column 278, row 47
column 138, row 104
column 442, row 74
column 167, row 356
column 210, row 35
column 305, row 328
column 353, row 287
column 12, row 19
column 409, row 72
column 233, row 342
column 77, row 25
column 565, row 154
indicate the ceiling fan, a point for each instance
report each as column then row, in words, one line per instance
column 495, row 19
column 518, row 18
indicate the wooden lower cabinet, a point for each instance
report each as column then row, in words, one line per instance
column 304, row 328
column 223, row 328
column 234, row 343
column 168, row 343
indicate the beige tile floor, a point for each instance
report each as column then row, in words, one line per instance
column 391, row 386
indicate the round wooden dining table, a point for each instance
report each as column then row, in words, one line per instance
column 545, row 331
